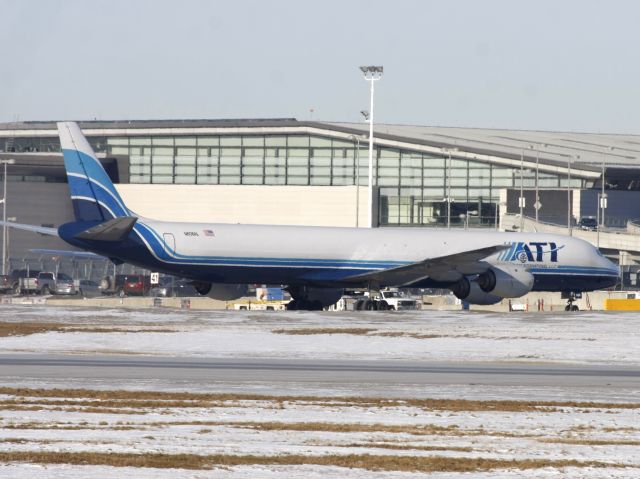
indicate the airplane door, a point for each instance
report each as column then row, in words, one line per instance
column 169, row 244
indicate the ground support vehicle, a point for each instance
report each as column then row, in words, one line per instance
column 261, row 306
column 385, row 300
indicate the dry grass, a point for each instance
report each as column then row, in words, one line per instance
column 422, row 429
column 152, row 399
column 344, row 427
column 404, row 447
column 8, row 328
column 310, row 331
column 68, row 426
column 400, row 334
column 24, row 329
column 591, row 442
column 360, row 461
column 93, row 329
column 621, row 429
column 414, row 430
column 406, row 334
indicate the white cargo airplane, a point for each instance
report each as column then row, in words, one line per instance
column 316, row 264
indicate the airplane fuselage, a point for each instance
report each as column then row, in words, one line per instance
column 323, row 256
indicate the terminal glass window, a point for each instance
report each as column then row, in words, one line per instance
column 412, row 185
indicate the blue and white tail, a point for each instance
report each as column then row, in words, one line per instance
column 93, row 195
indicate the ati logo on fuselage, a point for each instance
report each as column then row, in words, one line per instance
column 536, row 251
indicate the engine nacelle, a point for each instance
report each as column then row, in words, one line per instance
column 470, row 292
column 221, row 291
column 510, row 281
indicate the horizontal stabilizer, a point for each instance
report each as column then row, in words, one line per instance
column 43, row 230
column 115, row 229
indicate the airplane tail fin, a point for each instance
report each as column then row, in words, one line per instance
column 93, row 195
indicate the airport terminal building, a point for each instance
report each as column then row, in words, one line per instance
column 284, row 171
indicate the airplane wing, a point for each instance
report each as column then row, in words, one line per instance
column 36, row 229
column 444, row 268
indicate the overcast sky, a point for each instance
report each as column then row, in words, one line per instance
column 545, row 64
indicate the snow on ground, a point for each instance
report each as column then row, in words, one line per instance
column 585, row 338
column 593, row 338
column 29, row 471
column 229, row 429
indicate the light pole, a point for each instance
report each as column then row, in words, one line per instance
column 602, row 205
column 4, row 213
column 371, row 74
column 449, row 191
column 537, row 205
column 521, row 199
column 448, row 198
column 569, row 225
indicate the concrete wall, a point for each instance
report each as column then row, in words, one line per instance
column 279, row 205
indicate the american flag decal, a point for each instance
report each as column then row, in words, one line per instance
column 208, row 232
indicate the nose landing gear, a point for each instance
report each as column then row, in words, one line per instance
column 571, row 297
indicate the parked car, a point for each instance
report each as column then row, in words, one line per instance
column 588, row 224
column 5, row 284
column 23, row 281
column 48, row 282
column 88, row 288
column 170, row 288
column 135, row 285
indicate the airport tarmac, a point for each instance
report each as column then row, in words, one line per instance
column 306, row 374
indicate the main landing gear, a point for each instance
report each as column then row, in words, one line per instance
column 366, row 304
column 307, row 298
column 304, row 304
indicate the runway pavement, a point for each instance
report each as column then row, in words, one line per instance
column 115, row 369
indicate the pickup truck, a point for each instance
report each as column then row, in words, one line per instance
column 396, row 300
column 50, row 283
column 23, row 281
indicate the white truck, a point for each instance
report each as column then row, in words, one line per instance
column 23, row 281
column 385, row 300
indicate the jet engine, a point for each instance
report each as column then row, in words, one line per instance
column 510, row 281
column 470, row 292
column 221, row 291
